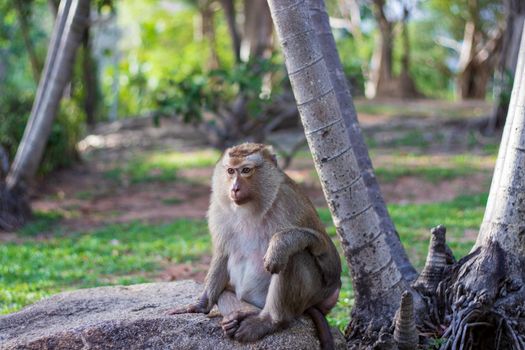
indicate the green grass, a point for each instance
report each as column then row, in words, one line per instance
column 133, row 253
column 41, row 222
column 116, row 254
column 432, row 174
column 161, row 166
column 432, row 169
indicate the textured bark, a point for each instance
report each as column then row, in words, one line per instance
column 377, row 281
column 321, row 24
column 480, row 300
column 504, row 219
column 67, row 35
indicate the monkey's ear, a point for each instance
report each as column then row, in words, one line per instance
column 271, row 153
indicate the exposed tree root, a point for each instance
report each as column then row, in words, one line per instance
column 477, row 303
column 14, row 208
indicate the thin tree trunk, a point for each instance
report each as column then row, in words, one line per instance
column 508, row 58
column 381, row 66
column 24, row 29
column 67, row 35
column 208, row 32
column 257, row 38
column 407, row 87
column 377, row 280
column 229, row 12
column 90, row 79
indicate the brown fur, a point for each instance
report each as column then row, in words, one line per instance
column 272, row 259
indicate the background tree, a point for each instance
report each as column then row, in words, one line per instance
column 67, row 34
column 508, row 58
column 474, row 30
column 383, row 82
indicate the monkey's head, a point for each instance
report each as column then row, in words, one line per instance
column 245, row 172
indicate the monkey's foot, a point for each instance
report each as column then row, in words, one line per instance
column 198, row 308
column 230, row 323
column 254, row 327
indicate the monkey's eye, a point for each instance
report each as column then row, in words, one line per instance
column 231, row 171
column 246, row 170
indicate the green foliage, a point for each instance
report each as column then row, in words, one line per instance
column 215, row 90
column 428, row 61
column 158, row 44
column 18, row 87
column 65, row 132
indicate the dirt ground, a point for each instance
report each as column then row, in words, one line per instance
column 87, row 198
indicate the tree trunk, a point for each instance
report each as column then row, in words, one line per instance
column 321, row 24
column 477, row 58
column 508, row 58
column 23, row 17
column 257, row 38
column 90, row 79
column 486, row 287
column 407, row 87
column 229, row 12
column 67, row 35
column 381, row 66
column 208, row 32
column 377, row 280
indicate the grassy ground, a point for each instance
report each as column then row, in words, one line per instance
column 129, row 215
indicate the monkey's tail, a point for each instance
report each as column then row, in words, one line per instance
column 323, row 329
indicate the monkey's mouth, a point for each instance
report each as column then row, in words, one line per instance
column 239, row 200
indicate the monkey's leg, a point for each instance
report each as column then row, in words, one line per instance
column 297, row 287
column 234, row 310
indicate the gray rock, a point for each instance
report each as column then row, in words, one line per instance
column 134, row 317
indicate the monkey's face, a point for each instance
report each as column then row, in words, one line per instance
column 240, row 179
column 243, row 174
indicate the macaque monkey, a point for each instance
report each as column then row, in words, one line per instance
column 272, row 259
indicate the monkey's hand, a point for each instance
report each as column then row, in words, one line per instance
column 203, row 306
column 274, row 260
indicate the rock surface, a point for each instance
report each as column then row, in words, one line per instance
column 134, row 317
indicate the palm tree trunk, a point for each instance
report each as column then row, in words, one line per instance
column 67, row 36
column 506, row 203
column 486, row 287
column 377, row 280
column 321, row 24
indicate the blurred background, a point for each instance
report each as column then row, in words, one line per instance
column 160, row 87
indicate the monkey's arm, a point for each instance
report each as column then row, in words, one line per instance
column 288, row 242
column 216, row 281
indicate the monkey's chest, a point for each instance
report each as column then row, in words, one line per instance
column 248, row 277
